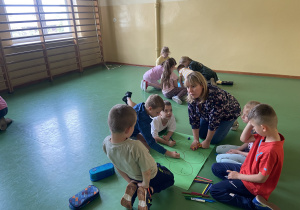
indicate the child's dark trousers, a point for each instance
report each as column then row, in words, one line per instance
column 163, row 179
column 230, row 191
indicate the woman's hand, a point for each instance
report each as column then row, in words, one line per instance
column 205, row 144
column 195, row 145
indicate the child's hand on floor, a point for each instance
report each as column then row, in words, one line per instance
column 166, row 138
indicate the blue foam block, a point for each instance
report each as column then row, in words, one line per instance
column 102, row 172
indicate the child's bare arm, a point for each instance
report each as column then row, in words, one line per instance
column 235, row 151
column 244, row 153
column 257, row 178
column 243, row 147
column 172, row 154
column 168, row 136
column 146, row 179
column 175, row 83
column 124, row 175
column 181, row 81
column 246, row 135
column 166, row 142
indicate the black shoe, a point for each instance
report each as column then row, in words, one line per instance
column 128, row 94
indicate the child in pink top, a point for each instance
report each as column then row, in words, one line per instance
column 4, row 122
column 169, row 82
column 152, row 77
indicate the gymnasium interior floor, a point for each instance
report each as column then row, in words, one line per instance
column 58, row 129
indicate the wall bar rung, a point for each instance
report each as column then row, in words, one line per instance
column 26, row 51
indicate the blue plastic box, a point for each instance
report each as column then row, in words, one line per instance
column 102, row 172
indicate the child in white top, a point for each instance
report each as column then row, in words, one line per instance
column 164, row 55
column 165, row 120
column 169, row 83
column 234, row 153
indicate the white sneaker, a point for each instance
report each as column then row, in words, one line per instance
column 142, row 85
column 176, row 99
column 213, row 82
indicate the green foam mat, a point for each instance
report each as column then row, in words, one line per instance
column 188, row 166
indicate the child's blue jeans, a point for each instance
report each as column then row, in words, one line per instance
column 230, row 191
column 220, row 133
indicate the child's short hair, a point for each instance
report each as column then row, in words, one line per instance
column 264, row 114
column 165, row 50
column 154, row 101
column 167, row 103
column 180, row 67
column 184, row 59
column 120, row 118
column 250, row 104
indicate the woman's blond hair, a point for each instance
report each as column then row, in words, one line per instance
column 194, row 79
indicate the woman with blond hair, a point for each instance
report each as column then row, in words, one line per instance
column 212, row 111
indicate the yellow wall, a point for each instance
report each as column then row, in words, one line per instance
column 233, row 35
column 130, row 38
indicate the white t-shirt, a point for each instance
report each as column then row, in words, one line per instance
column 131, row 157
column 157, row 126
column 166, row 89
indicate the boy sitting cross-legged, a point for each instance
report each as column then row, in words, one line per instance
column 133, row 160
column 249, row 185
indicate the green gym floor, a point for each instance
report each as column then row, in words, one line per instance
column 58, row 129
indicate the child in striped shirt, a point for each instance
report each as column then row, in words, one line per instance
column 183, row 73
